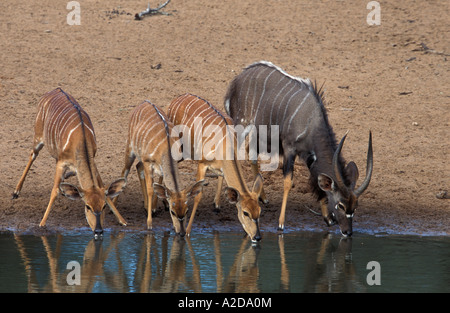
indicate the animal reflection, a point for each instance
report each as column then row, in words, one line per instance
column 164, row 263
column 92, row 268
column 161, row 268
column 244, row 273
column 334, row 270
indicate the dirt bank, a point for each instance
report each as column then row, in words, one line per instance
column 393, row 79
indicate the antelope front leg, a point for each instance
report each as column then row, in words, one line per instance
column 218, row 192
column 113, row 208
column 155, row 198
column 148, row 171
column 287, row 188
column 55, row 191
column 141, row 175
column 129, row 160
column 201, row 171
column 288, row 169
column 112, row 204
column 33, row 157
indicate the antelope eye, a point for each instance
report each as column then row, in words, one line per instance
column 246, row 214
column 89, row 208
column 341, row 206
column 173, row 213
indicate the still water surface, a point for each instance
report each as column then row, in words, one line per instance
column 224, row 262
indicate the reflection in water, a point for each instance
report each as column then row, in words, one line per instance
column 92, row 269
column 334, row 268
column 244, row 273
column 225, row 262
column 169, row 275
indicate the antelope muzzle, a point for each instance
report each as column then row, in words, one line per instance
column 98, row 231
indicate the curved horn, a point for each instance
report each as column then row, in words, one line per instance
column 369, row 169
column 337, row 172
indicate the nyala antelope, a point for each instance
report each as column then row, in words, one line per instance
column 150, row 141
column 186, row 110
column 263, row 94
column 66, row 129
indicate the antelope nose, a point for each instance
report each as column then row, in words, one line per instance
column 98, row 233
column 256, row 238
column 347, row 233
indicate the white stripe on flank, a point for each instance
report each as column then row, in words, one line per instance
column 155, row 149
column 193, row 115
column 254, row 91
column 62, row 129
column 298, row 108
column 187, row 108
column 246, row 96
column 289, row 101
column 68, row 137
column 274, row 102
column 91, row 130
column 280, row 106
column 262, row 95
column 178, row 103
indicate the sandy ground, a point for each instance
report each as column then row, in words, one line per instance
column 392, row 78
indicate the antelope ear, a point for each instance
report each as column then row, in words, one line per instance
column 232, row 194
column 258, row 185
column 70, row 191
column 161, row 191
column 116, row 187
column 352, row 171
column 196, row 188
column 325, row 182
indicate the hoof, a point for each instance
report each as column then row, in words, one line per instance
column 15, row 195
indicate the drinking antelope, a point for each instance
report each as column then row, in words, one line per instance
column 149, row 140
column 66, row 129
column 186, row 110
column 263, row 94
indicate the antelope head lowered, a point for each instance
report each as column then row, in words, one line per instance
column 263, row 94
column 342, row 199
column 66, row 129
column 186, row 110
column 150, row 141
column 178, row 203
column 95, row 201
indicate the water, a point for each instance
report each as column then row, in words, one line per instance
column 223, row 262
